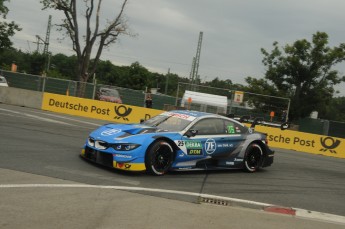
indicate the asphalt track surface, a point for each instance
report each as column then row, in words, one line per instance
column 48, row 144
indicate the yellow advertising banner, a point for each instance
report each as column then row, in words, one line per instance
column 304, row 142
column 119, row 113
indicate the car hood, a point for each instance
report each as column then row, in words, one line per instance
column 112, row 132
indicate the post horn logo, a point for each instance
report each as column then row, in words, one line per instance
column 122, row 112
column 330, row 144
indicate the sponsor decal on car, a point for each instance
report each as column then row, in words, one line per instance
column 123, row 156
column 210, row 146
column 129, row 166
column 110, row 132
column 238, row 159
column 194, row 152
column 181, row 116
column 227, row 145
column 237, row 130
column 190, row 147
column 193, row 144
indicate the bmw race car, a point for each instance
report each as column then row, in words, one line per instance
column 179, row 140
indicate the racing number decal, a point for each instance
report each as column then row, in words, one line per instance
column 231, row 130
column 192, row 148
column 180, row 143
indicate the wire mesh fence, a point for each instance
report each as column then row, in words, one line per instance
column 70, row 87
column 208, row 99
column 238, row 103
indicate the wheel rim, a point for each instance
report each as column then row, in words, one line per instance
column 254, row 158
column 161, row 159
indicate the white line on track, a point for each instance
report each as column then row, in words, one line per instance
column 71, row 119
column 300, row 213
column 20, row 114
column 37, row 117
column 125, row 188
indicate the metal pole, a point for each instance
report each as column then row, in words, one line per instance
column 231, row 99
column 94, row 88
column 287, row 112
column 178, row 88
column 44, row 84
column 166, row 82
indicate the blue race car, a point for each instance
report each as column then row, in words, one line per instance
column 179, row 140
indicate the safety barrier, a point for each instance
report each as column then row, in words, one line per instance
column 121, row 113
column 286, row 139
column 304, row 142
column 90, row 108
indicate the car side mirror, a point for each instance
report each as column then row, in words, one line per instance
column 191, row 133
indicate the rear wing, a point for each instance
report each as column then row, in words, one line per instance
column 259, row 121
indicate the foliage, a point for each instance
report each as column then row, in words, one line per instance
column 7, row 29
column 32, row 63
column 304, row 72
column 335, row 110
column 264, row 103
column 64, row 65
column 216, row 82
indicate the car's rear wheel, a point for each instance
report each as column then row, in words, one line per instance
column 159, row 158
column 253, row 158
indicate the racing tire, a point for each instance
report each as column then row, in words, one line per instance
column 159, row 158
column 253, row 158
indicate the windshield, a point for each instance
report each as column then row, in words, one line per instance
column 168, row 123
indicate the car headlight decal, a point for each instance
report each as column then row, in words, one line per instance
column 91, row 141
column 101, row 145
column 97, row 144
column 125, row 146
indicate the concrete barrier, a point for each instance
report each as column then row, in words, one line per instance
column 21, row 97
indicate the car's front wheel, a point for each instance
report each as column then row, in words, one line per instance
column 253, row 157
column 159, row 158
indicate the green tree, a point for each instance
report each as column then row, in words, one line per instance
column 304, row 72
column 64, row 65
column 109, row 74
column 7, row 30
column 216, row 82
column 37, row 61
column 138, row 77
column 94, row 35
column 264, row 98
